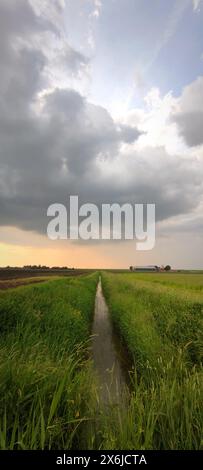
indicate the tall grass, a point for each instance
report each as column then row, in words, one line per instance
column 44, row 368
column 48, row 392
column 189, row 282
column 163, row 335
column 155, row 321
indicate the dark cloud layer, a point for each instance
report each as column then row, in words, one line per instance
column 57, row 144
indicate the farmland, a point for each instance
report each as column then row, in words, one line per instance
column 161, row 326
column 44, row 369
column 49, row 393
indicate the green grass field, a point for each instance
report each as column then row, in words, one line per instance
column 44, row 368
column 161, row 326
column 48, row 390
column 188, row 281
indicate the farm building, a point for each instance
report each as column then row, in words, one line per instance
column 143, row 269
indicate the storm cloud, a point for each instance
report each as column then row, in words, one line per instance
column 54, row 142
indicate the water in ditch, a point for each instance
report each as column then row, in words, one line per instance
column 109, row 357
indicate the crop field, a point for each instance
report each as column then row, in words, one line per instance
column 159, row 318
column 12, row 283
column 189, row 282
column 49, row 394
column 44, row 371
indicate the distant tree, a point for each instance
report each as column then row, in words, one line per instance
column 167, row 268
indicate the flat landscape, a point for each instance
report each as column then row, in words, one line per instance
column 50, row 385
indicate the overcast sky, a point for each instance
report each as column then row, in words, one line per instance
column 104, row 99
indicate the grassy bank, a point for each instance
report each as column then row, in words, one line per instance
column 45, row 377
column 48, row 391
column 162, row 330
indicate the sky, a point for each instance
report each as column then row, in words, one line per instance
column 101, row 99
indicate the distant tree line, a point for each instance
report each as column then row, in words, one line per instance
column 40, row 267
column 167, row 268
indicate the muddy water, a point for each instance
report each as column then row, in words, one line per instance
column 107, row 352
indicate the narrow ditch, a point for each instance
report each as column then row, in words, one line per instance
column 109, row 358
